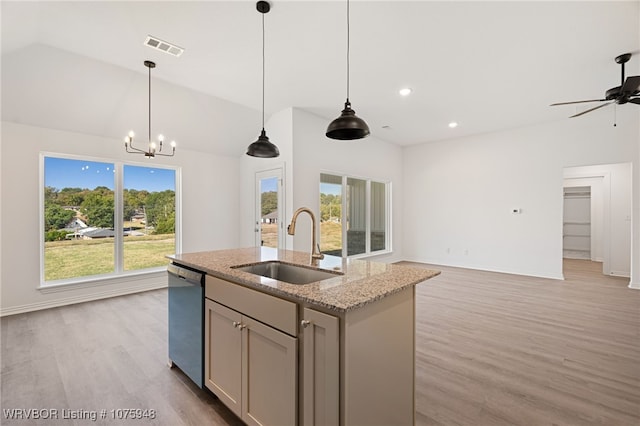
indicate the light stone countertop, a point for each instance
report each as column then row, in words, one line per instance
column 363, row 281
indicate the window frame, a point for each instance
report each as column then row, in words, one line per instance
column 344, row 209
column 118, row 188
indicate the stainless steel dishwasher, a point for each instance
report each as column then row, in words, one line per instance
column 186, row 321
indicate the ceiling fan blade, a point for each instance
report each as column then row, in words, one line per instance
column 592, row 109
column 635, row 101
column 631, row 84
column 578, row 102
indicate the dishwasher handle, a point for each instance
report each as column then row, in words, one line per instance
column 188, row 275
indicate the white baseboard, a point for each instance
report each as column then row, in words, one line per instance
column 13, row 310
column 441, row 262
column 622, row 274
column 634, row 285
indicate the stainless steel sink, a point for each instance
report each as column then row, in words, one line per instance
column 291, row 274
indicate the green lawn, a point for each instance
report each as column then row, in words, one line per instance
column 78, row 258
column 330, row 236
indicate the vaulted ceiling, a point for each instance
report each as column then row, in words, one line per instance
column 486, row 65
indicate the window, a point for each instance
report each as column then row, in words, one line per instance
column 84, row 202
column 354, row 217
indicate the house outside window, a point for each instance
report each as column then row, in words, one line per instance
column 354, row 215
column 103, row 218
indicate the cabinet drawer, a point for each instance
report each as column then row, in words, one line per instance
column 271, row 310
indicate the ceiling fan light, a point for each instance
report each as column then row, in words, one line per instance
column 262, row 148
column 348, row 126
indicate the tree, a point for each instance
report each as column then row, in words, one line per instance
column 55, row 217
column 160, row 205
column 71, row 196
column 330, row 207
column 50, row 195
column 269, row 201
column 166, row 225
column 98, row 207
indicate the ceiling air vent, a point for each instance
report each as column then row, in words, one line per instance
column 164, row 46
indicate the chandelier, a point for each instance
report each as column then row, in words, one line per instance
column 153, row 148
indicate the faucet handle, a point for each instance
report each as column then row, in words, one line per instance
column 320, row 255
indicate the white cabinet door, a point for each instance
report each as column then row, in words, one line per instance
column 321, row 374
column 269, row 387
column 250, row 367
column 223, row 354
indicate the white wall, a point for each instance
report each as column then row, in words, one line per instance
column 462, row 192
column 210, row 202
column 313, row 153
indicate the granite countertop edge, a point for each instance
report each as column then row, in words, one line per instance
column 362, row 282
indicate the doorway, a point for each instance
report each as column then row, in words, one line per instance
column 576, row 223
column 269, row 211
column 597, row 216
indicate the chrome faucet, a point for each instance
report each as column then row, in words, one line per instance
column 291, row 230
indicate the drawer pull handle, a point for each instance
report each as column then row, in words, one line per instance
column 242, row 326
column 236, row 324
column 305, row 323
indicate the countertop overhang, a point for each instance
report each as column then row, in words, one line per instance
column 362, row 281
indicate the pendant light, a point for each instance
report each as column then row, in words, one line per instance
column 262, row 147
column 348, row 126
column 153, row 149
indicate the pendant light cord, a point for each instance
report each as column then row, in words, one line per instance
column 263, row 71
column 348, row 50
column 149, row 108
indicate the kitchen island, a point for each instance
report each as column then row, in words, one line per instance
column 339, row 351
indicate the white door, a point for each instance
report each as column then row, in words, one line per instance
column 269, row 215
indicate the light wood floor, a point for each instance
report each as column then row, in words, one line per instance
column 498, row 349
column 492, row 349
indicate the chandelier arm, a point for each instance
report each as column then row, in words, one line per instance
column 133, row 150
column 165, row 155
column 129, row 144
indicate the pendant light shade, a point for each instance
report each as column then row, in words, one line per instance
column 348, row 126
column 262, row 148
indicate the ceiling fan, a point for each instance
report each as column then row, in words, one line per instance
column 628, row 91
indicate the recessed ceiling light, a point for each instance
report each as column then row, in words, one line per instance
column 406, row 91
column 453, row 124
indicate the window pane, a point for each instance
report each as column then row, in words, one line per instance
column 331, row 214
column 356, row 216
column 78, row 218
column 378, row 219
column 269, row 212
column 149, row 214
